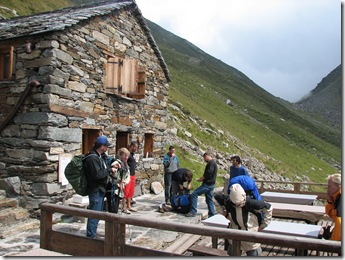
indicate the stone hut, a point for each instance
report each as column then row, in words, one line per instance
column 71, row 75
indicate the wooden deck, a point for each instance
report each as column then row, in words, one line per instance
column 267, row 250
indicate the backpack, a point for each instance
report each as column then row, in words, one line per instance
column 75, row 175
column 181, row 202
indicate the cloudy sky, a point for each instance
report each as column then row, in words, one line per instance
column 284, row 46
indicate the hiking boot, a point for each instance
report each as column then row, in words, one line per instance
column 166, row 209
column 161, row 210
column 190, row 215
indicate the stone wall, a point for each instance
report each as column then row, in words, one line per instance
column 70, row 66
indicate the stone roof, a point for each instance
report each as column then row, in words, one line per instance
column 60, row 19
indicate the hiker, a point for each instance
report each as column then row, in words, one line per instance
column 97, row 173
column 208, row 181
column 179, row 178
column 244, row 213
column 171, row 164
column 236, row 168
column 333, row 207
column 129, row 188
column 248, row 184
column 117, row 181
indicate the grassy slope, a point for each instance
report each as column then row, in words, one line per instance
column 28, row 7
column 295, row 145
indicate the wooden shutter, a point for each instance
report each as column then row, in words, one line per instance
column 113, row 75
column 129, row 76
column 141, row 81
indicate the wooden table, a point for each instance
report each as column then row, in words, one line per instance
column 217, row 220
column 289, row 198
column 294, row 229
column 275, row 227
column 312, row 214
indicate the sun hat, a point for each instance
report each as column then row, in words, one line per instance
column 237, row 195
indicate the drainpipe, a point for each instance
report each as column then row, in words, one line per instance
column 33, row 83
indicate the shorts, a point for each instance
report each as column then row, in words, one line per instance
column 129, row 188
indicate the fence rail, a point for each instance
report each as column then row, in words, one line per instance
column 114, row 243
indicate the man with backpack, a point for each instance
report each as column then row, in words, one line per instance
column 245, row 213
column 97, row 173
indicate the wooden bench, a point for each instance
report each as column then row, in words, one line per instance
column 206, row 251
column 312, row 214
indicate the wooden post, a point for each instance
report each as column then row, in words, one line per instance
column 46, row 222
column 109, row 239
column 119, row 239
column 236, row 248
column 297, row 187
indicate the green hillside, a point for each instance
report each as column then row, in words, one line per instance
column 289, row 142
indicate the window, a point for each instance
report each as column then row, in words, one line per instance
column 148, row 146
column 122, row 140
column 6, row 63
column 125, row 77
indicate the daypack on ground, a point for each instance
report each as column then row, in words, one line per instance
column 74, row 173
column 181, row 202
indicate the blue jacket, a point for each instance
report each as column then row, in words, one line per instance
column 247, row 183
column 238, row 171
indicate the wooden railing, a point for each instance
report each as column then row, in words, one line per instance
column 298, row 187
column 114, row 243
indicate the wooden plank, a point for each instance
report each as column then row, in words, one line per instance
column 76, row 245
column 131, row 250
column 174, row 246
column 207, row 251
column 183, row 248
column 182, row 244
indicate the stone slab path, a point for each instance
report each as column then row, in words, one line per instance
column 28, row 243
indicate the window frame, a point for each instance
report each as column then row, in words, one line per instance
column 6, row 63
column 148, row 145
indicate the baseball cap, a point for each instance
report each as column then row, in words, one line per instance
column 102, row 140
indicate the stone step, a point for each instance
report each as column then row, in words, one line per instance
column 8, row 203
column 18, row 227
column 12, row 215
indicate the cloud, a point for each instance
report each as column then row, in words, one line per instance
column 296, row 43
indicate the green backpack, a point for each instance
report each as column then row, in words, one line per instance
column 74, row 173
